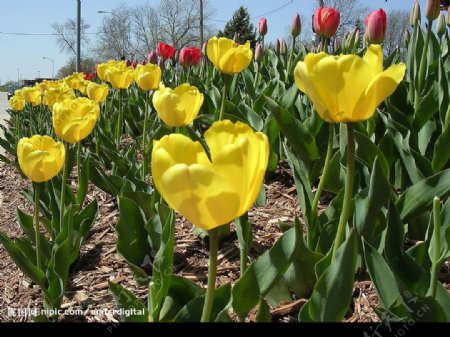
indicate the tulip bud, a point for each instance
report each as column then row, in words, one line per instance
column 277, row 46
column 204, row 48
column 406, row 38
column 349, row 39
column 441, row 26
column 128, row 62
column 326, row 21
column 153, row 57
column 296, row 26
column 415, row 14
column 134, row 64
column 376, row 26
column 433, row 9
column 144, row 62
column 259, row 52
column 283, row 46
column 236, row 37
column 357, row 37
column 262, row 26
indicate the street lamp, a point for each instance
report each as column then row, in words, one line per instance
column 53, row 65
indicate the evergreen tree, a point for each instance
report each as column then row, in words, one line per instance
column 241, row 26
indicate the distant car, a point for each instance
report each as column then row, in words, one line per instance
column 12, row 89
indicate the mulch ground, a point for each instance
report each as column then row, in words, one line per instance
column 99, row 261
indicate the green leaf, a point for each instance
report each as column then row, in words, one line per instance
column 163, row 263
column 441, row 153
column 263, row 273
column 301, row 276
column 368, row 208
column 25, row 265
column 297, row 134
column 381, row 275
column 244, row 234
column 332, row 294
column 132, row 241
column 128, row 302
column 419, row 197
column 192, row 311
column 263, row 314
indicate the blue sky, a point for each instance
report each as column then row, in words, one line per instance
column 26, row 52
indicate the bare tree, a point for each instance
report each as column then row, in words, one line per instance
column 397, row 24
column 145, row 26
column 66, row 34
column 114, row 38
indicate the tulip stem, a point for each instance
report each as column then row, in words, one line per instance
column 320, row 187
column 79, row 162
column 437, row 245
column 291, row 56
column 226, row 88
column 144, row 137
column 63, row 188
column 349, row 179
column 119, row 120
column 212, row 273
column 37, row 224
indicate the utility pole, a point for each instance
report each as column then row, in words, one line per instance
column 201, row 24
column 78, row 64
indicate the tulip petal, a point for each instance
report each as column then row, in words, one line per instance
column 381, row 87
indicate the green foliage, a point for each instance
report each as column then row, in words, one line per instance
column 240, row 24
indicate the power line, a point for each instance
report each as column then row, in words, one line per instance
column 260, row 15
column 39, row 34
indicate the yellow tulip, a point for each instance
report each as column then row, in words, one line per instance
column 97, row 92
column 103, row 67
column 40, row 157
column 75, row 81
column 147, row 76
column 177, row 107
column 120, row 77
column 228, row 56
column 211, row 193
column 57, row 94
column 347, row 88
column 32, row 95
column 17, row 103
column 74, row 119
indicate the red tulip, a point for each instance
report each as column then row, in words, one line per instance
column 153, row 57
column 166, row 51
column 144, row 62
column 259, row 52
column 128, row 62
column 376, row 26
column 326, row 21
column 134, row 64
column 190, row 56
column 262, row 26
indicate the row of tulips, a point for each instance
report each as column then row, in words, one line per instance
column 383, row 159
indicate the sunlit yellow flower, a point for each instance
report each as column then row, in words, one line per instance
column 17, row 103
column 120, row 77
column 32, row 95
column 40, row 157
column 57, row 94
column 74, row 119
column 228, row 56
column 211, row 193
column 347, row 88
column 147, row 76
column 97, row 92
column 83, row 86
column 177, row 107
column 75, row 81
column 103, row 67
